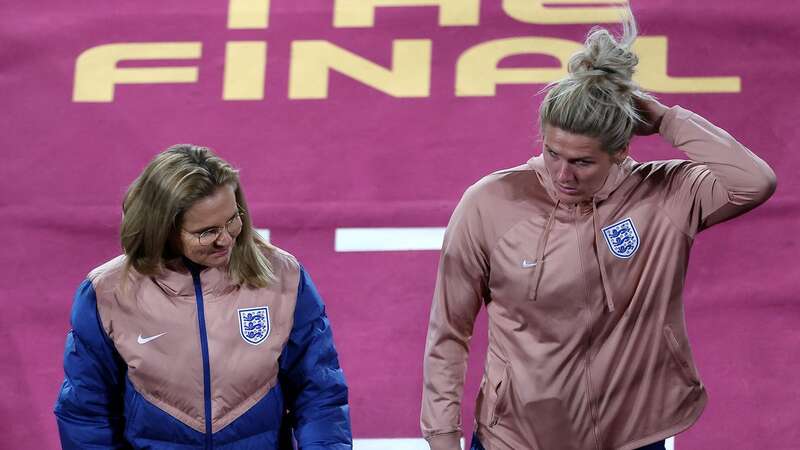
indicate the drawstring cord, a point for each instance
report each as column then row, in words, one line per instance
column 540, row 250
column 597, row 243
column 542, row 247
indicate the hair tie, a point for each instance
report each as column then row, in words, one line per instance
column 603, row 69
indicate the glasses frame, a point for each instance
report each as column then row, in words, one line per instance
column 217, row 231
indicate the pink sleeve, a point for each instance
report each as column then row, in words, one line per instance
column 460, row 287
column 722, row 178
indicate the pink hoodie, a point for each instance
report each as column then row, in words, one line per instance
column 587, row 343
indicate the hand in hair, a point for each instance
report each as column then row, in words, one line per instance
column 652, row 112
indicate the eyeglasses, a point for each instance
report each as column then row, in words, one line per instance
column 209, row 236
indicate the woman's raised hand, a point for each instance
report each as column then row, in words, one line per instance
column 652, row 112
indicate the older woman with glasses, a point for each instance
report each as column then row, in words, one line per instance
column 201, row 335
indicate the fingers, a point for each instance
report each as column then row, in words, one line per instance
column 652, row 112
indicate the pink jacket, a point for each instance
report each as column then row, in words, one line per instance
column 587, row 342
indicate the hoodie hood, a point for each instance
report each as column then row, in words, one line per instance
column 616, row 175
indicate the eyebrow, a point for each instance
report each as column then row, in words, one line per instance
column 215, row 226
column 573, row 160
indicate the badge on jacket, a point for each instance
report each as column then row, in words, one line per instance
column 254, row 324
column 622, row 238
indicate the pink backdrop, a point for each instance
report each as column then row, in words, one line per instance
column 364, row 158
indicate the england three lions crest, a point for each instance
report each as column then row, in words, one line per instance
column 622, row 238
column 254, row 324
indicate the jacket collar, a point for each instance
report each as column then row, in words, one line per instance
column 176, row 279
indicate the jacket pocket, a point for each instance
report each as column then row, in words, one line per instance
column 674, row 349
column 498, row 384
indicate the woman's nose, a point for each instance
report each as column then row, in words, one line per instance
column 223, row 237
column 564, row 172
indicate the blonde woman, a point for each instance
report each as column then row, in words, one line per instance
column 579, row 257
column 201, row 335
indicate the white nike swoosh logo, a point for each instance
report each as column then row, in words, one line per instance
column 142, row 340
column 528, row 264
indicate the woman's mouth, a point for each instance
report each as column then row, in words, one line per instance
column 220, row 253
column 567, row 189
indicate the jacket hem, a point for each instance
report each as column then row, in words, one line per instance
column 674, row 430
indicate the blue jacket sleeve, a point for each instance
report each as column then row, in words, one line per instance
column 314, row 383
column 89, row 409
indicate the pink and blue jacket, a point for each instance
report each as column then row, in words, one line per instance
column 191, row 360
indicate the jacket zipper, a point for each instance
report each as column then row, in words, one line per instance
column 201, row 319
column 588, row 358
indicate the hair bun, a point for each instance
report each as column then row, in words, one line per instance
column 597, row 97
column 606, row 60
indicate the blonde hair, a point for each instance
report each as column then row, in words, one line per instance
column 597, row 97
column 156, row 201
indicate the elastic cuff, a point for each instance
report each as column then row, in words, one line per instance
column 447, row 441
